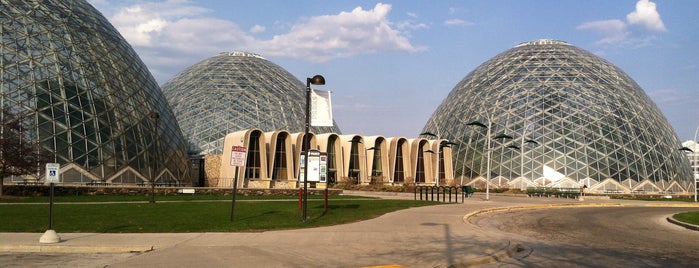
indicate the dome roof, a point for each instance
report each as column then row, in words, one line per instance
column 235, row 91
column 86, row 95
column 584, row 118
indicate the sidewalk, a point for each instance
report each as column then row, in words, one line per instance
column 433, row 236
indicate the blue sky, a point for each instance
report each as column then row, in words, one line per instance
column 390, row 64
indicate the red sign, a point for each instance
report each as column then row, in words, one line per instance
column 238, row 156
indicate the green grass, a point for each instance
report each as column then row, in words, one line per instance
column 179, row 197
column 688, row 217
column 201, row 216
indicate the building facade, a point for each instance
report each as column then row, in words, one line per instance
column 273, row 160
column 548, row 114
column 88, row 101
column 235, row 91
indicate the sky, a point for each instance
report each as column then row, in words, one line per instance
column 389, row 65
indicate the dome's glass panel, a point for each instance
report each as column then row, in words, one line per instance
column 571, row 113
column 85, row 93
column 235, row 91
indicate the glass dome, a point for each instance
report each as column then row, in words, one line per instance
column 235, row 91
column 86, row 96
column 560, row 112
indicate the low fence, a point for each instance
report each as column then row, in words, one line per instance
column 63, row 190
column 445, row 194
column 554, row 192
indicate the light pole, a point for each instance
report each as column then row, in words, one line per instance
column 155, row 116
column 369, row 171
column 489, row 149
column 436, row 173
column 694, row 178
column 316, row 80
column 695, row 164
column 487, row 146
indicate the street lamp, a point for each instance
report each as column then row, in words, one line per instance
column 366, row 164
column 687, row 149
column 489, row 149
column 695, row 164
column 316, row 80
column 155, row 116
column 487, row 146
column 436, row 172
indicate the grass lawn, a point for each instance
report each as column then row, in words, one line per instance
column 177, row 197
column 192, row 216
column 688, row 217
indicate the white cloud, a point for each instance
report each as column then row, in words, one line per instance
column 346, row 34
column 618, row 32
column 258, row 28
column 614, row 31
column 174, row 32
column 647, row 16
column 457, row 22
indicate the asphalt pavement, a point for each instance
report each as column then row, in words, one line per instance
column 432, row 236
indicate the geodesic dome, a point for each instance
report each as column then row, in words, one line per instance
column 236, row 91
column 85, row 95
column 565, row 114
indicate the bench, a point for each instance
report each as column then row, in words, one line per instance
column 568, row 192
column 97, row 183
column 186, row 191
column 540, row 191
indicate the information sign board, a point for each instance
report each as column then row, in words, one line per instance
column 313, row 166
column 53, row 170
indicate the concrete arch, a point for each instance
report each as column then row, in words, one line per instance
column 420, row 165
column 377, row 159
column 280, row 159
column 254, row 175
column 353, row 158
column 399, row 160
column 297, row 148
column 331, row 144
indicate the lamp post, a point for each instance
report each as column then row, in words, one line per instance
column 489, row 149
column 695, row 164
column 436, row 173
column 694, row 178
column 521, row 164
column 155, row 116
column 369, row 171
column 316, row 80
column 487, row 146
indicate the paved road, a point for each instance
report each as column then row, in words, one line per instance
column 434, row 236
column 595, row 237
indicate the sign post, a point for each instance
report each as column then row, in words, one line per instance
column 238, row 157
column 310, row 161
column 52, row 176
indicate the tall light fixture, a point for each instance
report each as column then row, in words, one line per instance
column 489, row 149
column 487, row 146
column 695, row 164
column 436, row 172
column 155, row 116
column 316, row 80
column 694, row 179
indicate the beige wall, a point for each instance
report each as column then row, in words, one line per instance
column 388, row 148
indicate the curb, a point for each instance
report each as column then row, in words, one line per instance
column 683, row 224
column 75, row 249
column 467, row 217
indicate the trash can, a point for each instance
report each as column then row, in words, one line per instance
column 467, row 190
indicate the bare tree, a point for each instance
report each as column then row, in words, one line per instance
column 18, row 155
